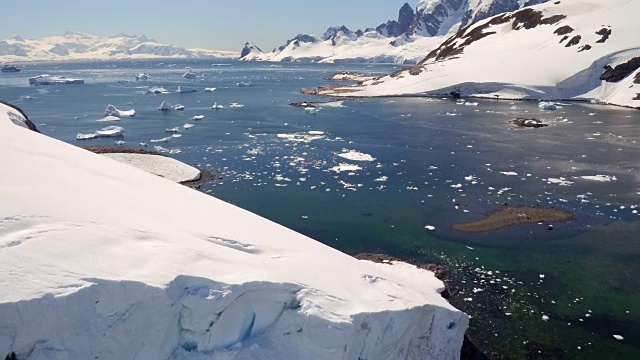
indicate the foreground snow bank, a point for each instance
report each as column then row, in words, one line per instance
column 128, row 265
column 163, row 166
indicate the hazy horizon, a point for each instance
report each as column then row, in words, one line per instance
column 218, row 25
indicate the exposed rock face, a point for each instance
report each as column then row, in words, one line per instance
column 249, row 48
column 430, row 18
column 621, row 71
column 393, row 28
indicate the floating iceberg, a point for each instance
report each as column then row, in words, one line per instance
column 356, row 156
column 157, row 90
column 311, row 110
column 109, row 118
column 53, row 80
column 189, row 75
column 216, row 106
column 236, row 105
column 544, row 105
column 178, row 107
column 165, row 106
column 164, row 139
column 173, row 130
column 112, row 111
column 184, row 90
column 143, row 76
column 345, row 167
column 188, row 126
column 245, row 83
column 209, row 89
column 198, row 117
column 109, row 131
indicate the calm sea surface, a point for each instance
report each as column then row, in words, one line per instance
column 436, row 163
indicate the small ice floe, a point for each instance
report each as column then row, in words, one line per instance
column 209, row 89
column 165, row 106
column 216, row 106
column 109, row 118
column 545, row 105
column 236, row 106
column 545, row 318
column 471, row 104
column 188, row 126
column 542, row 276
column 382, row 179
column 173, row 130
column 112, row 111
column 301, row 137
column 143, row 144
column 456, row 186
column 198, row 117
column 452, row 114
column 245, row 83
column 29, row 97
column 157, row 90
column 109, row 131
column 311, row 110
column 143, row 76
column 120, row 142
column 558, row 181
column 430, row 227
column 509, row 173
column 601, row 178
column 345, row 167
column 189, row 75
column 164, row 139
column 356, row 156
column 185, row 90
column 178, row 107
column 333, row 104
column 315, row 132
column 618, row 337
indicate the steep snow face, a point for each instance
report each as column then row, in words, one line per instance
column 250, row 51
column 128, row 265
column 397, row 41
column 74, row 46
column 549, row 51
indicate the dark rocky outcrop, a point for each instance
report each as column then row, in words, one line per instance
column 30, row 125
column 394, row 28
column 11, row 356
column 637, row 80
column 605, row 33
column 563, row 30
column 574, row 41
column 637, row 97
column 586, row 47
column 621, row 71
column 531, row 123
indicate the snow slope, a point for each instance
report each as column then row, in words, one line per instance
column 549, row 51
column 405, row 40
column 74, row 46
column 104, row 260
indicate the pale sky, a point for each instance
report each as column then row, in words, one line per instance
column 213, row 24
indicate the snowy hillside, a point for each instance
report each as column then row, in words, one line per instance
column 405, row 40
column 573, row 49
column 74, row 46
column 100, row 260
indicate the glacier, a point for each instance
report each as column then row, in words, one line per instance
column 105, row 260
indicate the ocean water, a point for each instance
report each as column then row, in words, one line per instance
column 437, row 162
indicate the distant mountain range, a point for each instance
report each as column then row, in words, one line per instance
column 405, row 40
column 75, row 46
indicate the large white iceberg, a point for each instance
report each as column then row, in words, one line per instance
column 112, row 111
column 109, row 131
column 53, row 80
column 152, row 270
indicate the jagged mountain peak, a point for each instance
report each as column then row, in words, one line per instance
column 17, row 37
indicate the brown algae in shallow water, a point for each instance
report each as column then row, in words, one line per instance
column 515, row 215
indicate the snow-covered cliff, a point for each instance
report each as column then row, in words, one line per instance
column 573, row 49
column 75, row 46
column 100, row 260
column 405, row 40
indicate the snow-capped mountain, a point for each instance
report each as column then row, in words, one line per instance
column 404, row 40
column 106, row 261
column 570, row 49
column 75, row 46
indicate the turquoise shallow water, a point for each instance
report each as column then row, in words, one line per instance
column 437, row 163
